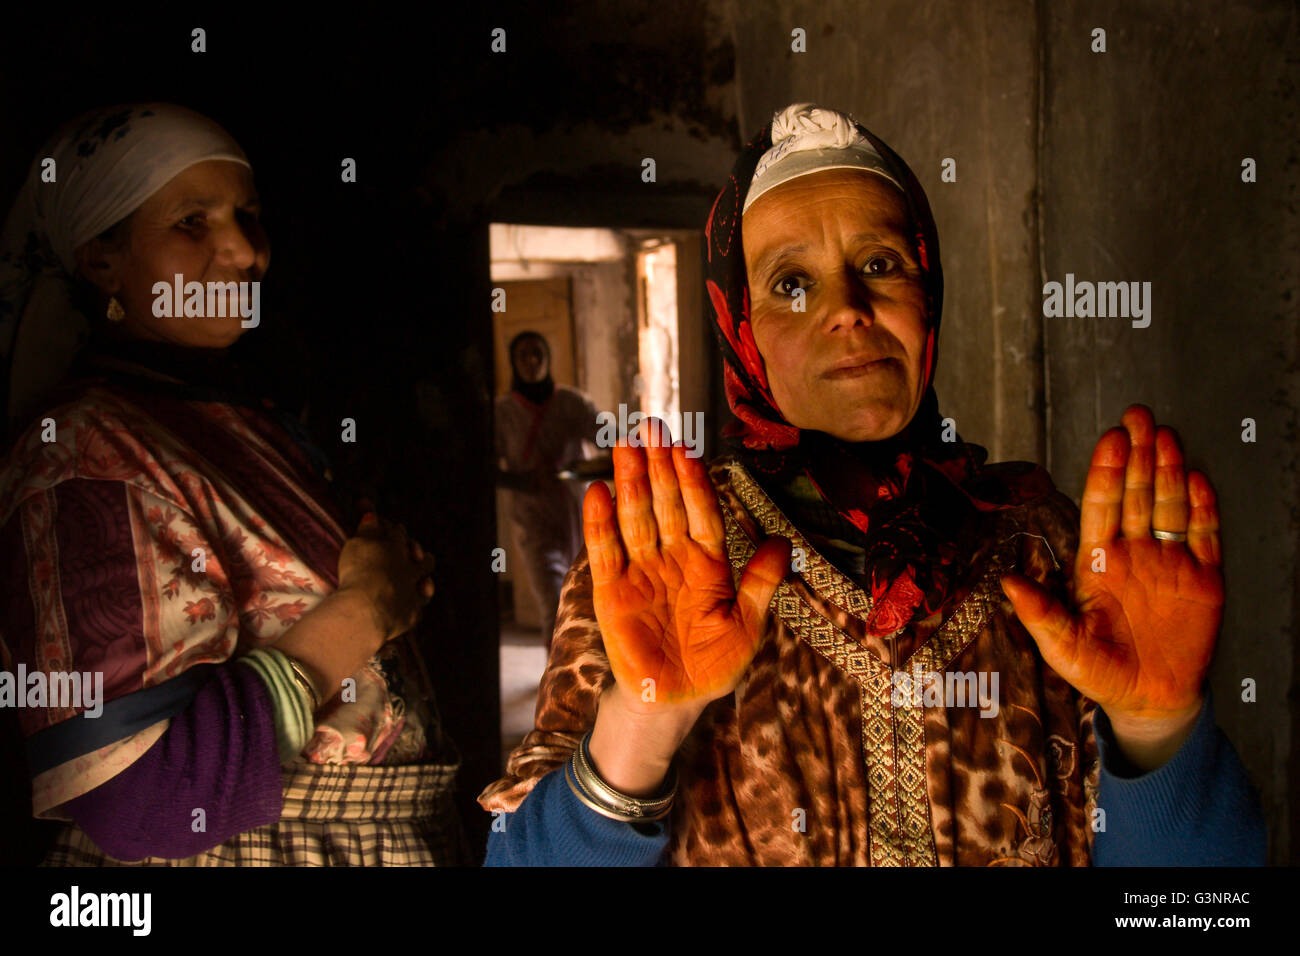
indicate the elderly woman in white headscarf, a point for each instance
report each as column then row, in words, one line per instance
column 207, row 668
column 852, row 640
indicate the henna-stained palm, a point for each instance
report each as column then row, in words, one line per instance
column 1141, row 633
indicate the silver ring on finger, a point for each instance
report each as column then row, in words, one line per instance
column 1169, row 535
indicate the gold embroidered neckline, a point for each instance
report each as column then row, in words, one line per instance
column 835, row 587
column 822, row 576
column 893, row 733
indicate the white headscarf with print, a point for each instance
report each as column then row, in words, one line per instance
column 90, row 175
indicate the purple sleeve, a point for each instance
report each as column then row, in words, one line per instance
column 219, row 755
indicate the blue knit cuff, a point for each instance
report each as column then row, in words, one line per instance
column 552, row 827
column 1173, row 794
column 1199, row 809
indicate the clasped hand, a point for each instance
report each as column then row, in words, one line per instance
column 391, row 570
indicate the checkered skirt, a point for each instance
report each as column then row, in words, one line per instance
column 334, row 815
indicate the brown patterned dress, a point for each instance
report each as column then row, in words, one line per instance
column 817, row 759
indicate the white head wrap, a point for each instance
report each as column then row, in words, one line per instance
column 106, row 164
column 808, row 139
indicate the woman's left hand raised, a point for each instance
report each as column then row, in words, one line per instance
column 1146, row 610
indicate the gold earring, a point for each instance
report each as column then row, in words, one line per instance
column 115, row 311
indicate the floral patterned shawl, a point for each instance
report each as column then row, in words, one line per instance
column 102, row 528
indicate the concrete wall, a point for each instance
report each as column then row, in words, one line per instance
column 1142, row 180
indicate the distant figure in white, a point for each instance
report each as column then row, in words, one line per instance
column 541, row 429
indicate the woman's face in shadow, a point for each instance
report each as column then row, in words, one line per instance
column 531, row 361
column 850, row 364
column 204, row 225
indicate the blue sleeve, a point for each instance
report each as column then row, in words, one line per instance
column 552, row 827
column 1198, row 809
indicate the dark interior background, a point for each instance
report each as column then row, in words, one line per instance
column 1122, row 166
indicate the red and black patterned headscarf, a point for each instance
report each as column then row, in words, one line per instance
column 908, row 495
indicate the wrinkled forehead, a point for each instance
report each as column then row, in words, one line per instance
column 851, row 184
column 800, row 209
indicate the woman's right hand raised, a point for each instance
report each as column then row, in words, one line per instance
column 677, row 632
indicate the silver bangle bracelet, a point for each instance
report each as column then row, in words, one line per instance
column 595, row 793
